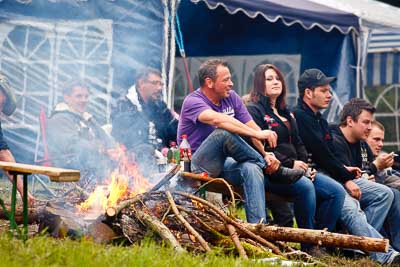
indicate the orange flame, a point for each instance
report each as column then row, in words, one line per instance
column 126, row 174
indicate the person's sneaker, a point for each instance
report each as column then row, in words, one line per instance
column 286, row 175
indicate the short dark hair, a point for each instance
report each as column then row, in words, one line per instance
column 353, row 108
column 378, row 124
column 259, row 85
column 145, row 72
column 69, row 85
column 209, row 69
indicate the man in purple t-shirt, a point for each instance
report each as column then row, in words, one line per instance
column 213, row 117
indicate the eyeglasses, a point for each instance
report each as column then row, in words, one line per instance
column 156, row 82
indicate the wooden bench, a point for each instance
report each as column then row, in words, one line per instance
column 220, row 187
column 15, row 169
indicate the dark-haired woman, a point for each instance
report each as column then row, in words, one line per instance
column 315, row 197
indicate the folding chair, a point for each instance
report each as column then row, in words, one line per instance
column 45, row 161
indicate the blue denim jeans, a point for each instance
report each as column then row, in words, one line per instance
column 391, row 226
column 375, row 201
column 321, row 200
column 223, row 154
column 330, row 198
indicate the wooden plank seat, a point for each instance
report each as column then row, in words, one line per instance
column 220, row 187
column 15, row 169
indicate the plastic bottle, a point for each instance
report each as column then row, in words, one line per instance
column 173, row 155
column 185, row 153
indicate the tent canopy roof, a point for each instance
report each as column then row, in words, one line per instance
column 307, row 13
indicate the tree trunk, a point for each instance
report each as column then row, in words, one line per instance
column 319, row 237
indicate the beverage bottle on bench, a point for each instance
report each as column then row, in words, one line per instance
column 173, row 155
column 185, row 153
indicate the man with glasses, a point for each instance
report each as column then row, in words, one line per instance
column 141, row 120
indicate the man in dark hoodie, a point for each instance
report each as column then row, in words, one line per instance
column 315, row 95
column 349, row 139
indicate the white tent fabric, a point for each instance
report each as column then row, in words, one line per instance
column 373, row 14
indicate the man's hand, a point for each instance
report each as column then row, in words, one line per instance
column 384, row 161
column 371, row 178
column 298, row 164
column 268, row 135
column 353, row 189
column 312, row 175
column 355, row 170
column 272, row 162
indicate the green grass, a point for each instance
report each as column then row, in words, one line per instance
column 46, row 251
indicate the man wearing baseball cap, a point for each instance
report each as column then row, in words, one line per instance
column 7, row 107
column 315, row 95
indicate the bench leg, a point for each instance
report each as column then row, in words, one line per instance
column 13, row 225
column 25, row 206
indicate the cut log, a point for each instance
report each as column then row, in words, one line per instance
column 100, row 233
column 319, row 237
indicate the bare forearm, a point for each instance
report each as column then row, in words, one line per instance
column 227, row 123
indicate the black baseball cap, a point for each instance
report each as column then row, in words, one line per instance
column 313, row 78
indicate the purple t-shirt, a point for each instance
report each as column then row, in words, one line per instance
column 195, row 103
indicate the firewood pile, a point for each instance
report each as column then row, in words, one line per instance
column 185, row 221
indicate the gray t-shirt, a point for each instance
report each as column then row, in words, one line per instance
column 195, row 103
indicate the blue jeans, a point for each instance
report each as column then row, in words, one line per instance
column 225, row 154
column 322, row 198
column 330, row 198
column 391, row 226
column 375, row 201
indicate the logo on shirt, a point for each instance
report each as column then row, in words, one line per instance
column 229, row 111
column 327, row 136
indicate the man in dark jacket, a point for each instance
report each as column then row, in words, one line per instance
column 352, row 149
column 141, row 116
column 141, row 120
column 75, row 139
column 315, row 95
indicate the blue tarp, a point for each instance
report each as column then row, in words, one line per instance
column 44, row 44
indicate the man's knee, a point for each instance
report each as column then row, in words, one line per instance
column 251, row 171
column 351, row 210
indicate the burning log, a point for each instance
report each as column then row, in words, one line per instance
column 166, row 178
column 111, row 212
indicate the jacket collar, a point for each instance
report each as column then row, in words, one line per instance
column 303, row 106
column 63, row 107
